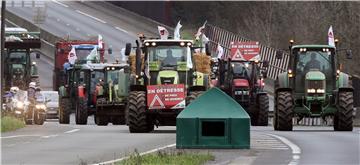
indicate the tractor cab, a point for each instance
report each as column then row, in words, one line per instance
column 167, row 60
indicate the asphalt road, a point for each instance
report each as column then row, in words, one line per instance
column 53, row 143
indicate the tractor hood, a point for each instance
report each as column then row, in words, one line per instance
column 168, row 77
column 315, row 75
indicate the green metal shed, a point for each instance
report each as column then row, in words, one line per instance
column 214, row 120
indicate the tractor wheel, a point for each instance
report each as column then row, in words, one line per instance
column 81, row 114
column 263, row 111
column 193, row 96
column 137, row 119
column 101, row 120
column 344, row 114
column 64, row 111
column 284, row 110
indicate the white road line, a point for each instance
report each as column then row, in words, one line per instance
column 118, row 28
column 18, row 136
column 143, row 153
column 97, row 19
column 49, row 136
column 296, row 151
column 48, row 43
column 59, row 3
column 72, row 131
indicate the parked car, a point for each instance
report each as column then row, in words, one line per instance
column 52, row 106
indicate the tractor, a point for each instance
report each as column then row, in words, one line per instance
column 313, row 86
column 243, row 80
column 111, row 94
column 19, row 70
column 166, row 76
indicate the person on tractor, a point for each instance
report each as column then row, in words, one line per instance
column 240, row 71
column 313, row 63
column 169, row 59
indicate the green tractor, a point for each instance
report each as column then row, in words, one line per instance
column 95, row 88
column 313, row 86
column 166, row 76
column 19, row 70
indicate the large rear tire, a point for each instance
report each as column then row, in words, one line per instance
column 284, row 111
column 137, row 118
column 81, row 114
column 343, row 120
column 64, row 111
column 263, row 111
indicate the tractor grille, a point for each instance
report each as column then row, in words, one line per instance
column 167, row 80
column 315, row 84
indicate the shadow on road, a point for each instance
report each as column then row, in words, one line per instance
column 163, row 131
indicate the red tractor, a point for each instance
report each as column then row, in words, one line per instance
column 82, row 50
column 242, row 78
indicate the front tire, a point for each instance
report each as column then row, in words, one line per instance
column 64, row 111
column 101, row 120
column 81, row 114
column 262, row 118
column 39, row 118
column 137, row 118
column 343, row 119
column 284, row 111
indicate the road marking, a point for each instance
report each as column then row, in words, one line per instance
column 296, row 151
column 97, row 19
column 143, row 153
column 72, row 131
column 59, row 3
column 118, row 28
column 18, row 136
column 49, row 136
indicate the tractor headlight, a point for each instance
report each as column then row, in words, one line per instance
column 19, row 105
column 311, row 90
column 147, row 44
column 18, row 112
column 320, row 91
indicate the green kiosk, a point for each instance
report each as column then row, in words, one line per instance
column 213, row 120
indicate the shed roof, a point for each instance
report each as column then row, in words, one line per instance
column 214, row 103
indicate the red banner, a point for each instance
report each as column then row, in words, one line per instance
column 169, row 96
column 245, row 50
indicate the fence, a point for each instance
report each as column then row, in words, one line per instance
column 223, row 37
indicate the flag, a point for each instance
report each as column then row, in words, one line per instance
column 122, row 55
column 72, row 56
column 100, row 41
column 204, row 40
column 177, row 31
column 220, row 51
column 93, row 56
column 200, row 31
column 163, row 33
column 331, row 39
column 189, row 63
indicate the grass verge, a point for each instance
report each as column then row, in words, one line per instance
column 165, row 158
column 9, row 123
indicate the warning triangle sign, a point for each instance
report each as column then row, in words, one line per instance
column 238, row 55
column 156, row 102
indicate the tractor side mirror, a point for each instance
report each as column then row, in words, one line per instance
column 37, row 55
column 348, row 54
column 127, row 49
column 265, row 63
column 264, row 74
column 207, row 49
column 279, row 54
column 110, row 50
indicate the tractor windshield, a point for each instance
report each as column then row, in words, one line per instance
column 113, row 76
column 17, row 57
column 82, row 53
column 168, row 56
column 313, row 60
column 241, row 69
